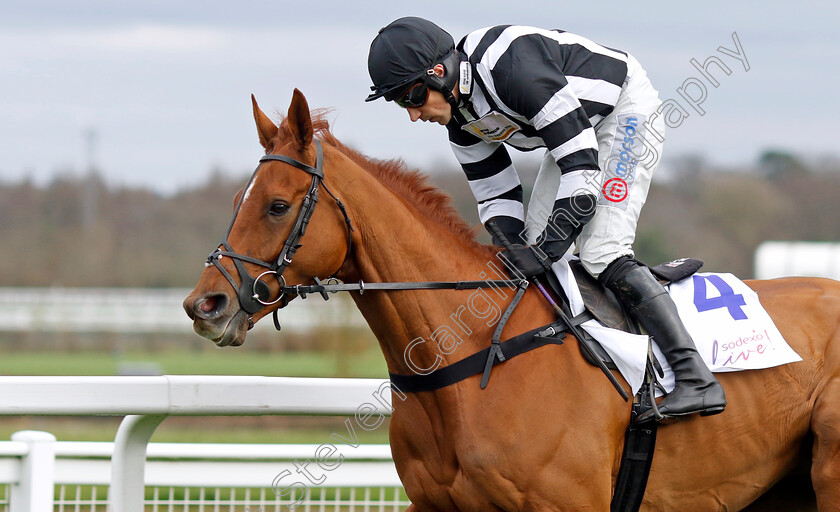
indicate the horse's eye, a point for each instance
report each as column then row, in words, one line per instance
column 277, row 209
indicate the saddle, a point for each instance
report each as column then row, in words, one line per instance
column 601, row 303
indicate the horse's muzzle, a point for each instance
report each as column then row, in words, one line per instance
column 217, row 318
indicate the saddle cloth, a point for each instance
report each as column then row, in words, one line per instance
column 729, row 325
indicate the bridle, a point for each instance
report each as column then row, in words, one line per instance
column 253, row 292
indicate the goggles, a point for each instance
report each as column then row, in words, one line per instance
column 415, row 97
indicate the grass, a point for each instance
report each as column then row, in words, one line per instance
column 177, row 362
column 364, row 362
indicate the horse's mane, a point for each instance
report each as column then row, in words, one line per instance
column 409, row 184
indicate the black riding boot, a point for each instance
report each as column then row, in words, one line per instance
column 697, row 390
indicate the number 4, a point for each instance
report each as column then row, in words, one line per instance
column 727, row 299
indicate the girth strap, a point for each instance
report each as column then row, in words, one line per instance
column 552, row 333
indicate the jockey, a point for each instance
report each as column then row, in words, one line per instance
column 594, row 111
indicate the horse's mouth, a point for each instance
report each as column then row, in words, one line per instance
column 233, row 333
column 227, row 341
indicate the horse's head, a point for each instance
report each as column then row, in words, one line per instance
column 250, row 274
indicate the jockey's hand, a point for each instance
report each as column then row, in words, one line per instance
column 527, row 260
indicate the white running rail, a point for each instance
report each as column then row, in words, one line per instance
column 147, row 401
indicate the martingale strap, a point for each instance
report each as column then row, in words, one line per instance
column 551, row 334
column 495, row 344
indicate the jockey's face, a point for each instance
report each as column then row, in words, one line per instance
column 436, row 109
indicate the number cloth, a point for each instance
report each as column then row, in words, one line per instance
column 729, row 325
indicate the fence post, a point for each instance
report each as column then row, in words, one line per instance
column 35, row 490
column 128, row 463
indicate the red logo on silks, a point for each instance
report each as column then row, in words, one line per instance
column 615, row 190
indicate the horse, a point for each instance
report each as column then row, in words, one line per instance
column 548, row 431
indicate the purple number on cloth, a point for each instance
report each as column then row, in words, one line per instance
column 727, row 299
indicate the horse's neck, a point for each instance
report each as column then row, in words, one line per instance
column 424, row 329
column 396, row 243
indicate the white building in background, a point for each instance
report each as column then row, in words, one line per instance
column 811, row 259
column 141, row 310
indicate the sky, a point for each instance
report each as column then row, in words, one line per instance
column 157, row 93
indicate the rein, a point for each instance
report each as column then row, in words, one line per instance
column 254, row 294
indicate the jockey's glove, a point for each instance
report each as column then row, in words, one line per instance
column 527, row 260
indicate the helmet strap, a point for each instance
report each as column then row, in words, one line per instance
column 445, row 84
column 456, row 108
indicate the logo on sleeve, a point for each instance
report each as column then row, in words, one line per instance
column 620, row 167
column 615, row 190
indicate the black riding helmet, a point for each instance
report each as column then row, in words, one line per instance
column 404, row 52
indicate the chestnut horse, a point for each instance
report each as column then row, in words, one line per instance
column 547, row 433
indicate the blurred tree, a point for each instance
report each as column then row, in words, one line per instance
column 779, row 165
column 686, row 172
column 142, row 238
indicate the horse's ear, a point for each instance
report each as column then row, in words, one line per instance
column 265, row 128
column 300, row 121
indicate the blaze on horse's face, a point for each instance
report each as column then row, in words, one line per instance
column 269, row 207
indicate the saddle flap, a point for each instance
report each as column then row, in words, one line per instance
column 592, row 294
column 599, row 301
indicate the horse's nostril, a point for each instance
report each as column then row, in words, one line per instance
column 210, row 306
